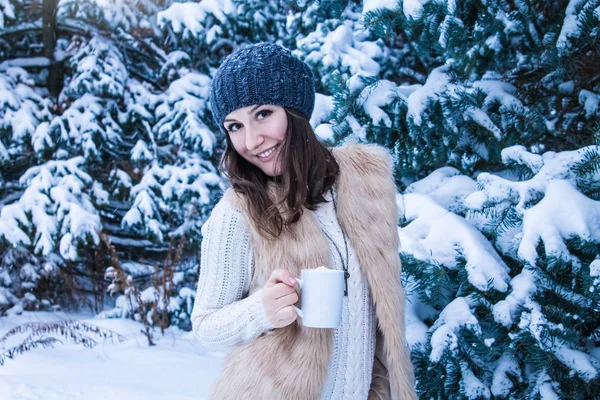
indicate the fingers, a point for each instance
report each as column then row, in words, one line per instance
column 280, row 290
column 278, row 295
column 286, row 316
column 281, row 275
column 286, row 301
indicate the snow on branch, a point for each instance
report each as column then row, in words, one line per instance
column 570, row 28
column 188, row 19
column 22, row 110
column 98, row 69
column 187, row 184
column 563, row 213
column 343, row 49
column 85, row 126
column 7, row 11
column 550, row 204
column 433, row 233
column 56, row 206
column 181, row 111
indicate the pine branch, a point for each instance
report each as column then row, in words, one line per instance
column 589, row 165
column 41, row 335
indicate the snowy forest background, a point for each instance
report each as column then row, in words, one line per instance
column 109, row 154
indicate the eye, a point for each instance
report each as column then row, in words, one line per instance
column 232, row 127
column 264, row 113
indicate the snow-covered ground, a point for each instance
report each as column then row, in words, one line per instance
column 177, row 368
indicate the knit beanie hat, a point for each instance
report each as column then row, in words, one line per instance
column 262, row 73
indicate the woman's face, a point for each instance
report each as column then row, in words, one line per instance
column 257, row 133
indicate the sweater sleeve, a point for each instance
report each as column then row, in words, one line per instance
column 224, row 315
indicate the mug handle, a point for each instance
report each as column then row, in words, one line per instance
column 298, row 310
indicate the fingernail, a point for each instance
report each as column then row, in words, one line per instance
column 292, row 281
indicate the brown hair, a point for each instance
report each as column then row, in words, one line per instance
column 308, row 171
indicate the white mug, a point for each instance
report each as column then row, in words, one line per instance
column 321, row 297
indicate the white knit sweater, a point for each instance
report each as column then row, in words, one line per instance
column 226, row 315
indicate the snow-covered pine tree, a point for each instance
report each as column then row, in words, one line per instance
column 474, row 336
column 546, row 226
column 503, row 279
column 502, row 271
column 217, row 28
column 126, row 134
column 481, row 70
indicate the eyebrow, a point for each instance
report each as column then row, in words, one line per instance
column 249, row 112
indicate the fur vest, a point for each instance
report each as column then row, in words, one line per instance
column 291, row 363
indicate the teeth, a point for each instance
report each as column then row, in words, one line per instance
column 267, row 153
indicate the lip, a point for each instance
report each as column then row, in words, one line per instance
column 265, row 159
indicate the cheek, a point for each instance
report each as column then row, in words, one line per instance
column 282, row 129
column 238, row 143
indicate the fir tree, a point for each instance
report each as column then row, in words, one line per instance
column 123, row 149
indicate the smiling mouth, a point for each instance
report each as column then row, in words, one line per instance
column 266, row 154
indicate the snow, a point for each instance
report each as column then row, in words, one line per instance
column 358, row 130
column 32, row 62
column 344, row 49
column 451, row 6
column 589, row 101
column 456, row 315
column 56, row 196
column 85, row 118
column 562, row 214
column 325, row 132
column 566, row 87
column 555, row 166
column 7, row 11
column 546, row 389
column 21, row 108
column 472, row 386
column 494, row 43
column 416, row 329
column 351, row 54
column 413, row 8
column 140, row 152
column 322, row 110
column 419, row 100
column 370, row 5
column 436, row 234
column 180, row 110
column 501, row 383
column 577, row 361
column 177, row 365
column 595, row 353
column 445, row 25
column 499, row 92
column 595, row 268
column 523, row 286
column 482, row 119
column 519, row 155
column 99, row 70
column 570, row 28
column 372, row 99
column 447, row 186
column 189, row 17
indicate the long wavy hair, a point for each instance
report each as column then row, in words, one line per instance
column 308, row 171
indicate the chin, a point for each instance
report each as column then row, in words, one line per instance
column 271, row 170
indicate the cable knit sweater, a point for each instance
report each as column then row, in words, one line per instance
column 225, row 314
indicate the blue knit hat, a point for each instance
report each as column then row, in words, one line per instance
column 263, row 73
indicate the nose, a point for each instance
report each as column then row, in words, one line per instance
column 254, row 138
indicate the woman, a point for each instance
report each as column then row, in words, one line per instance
column 296, row 204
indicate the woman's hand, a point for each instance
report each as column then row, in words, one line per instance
column 278, row 295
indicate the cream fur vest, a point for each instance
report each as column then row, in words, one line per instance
column 291, row 363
